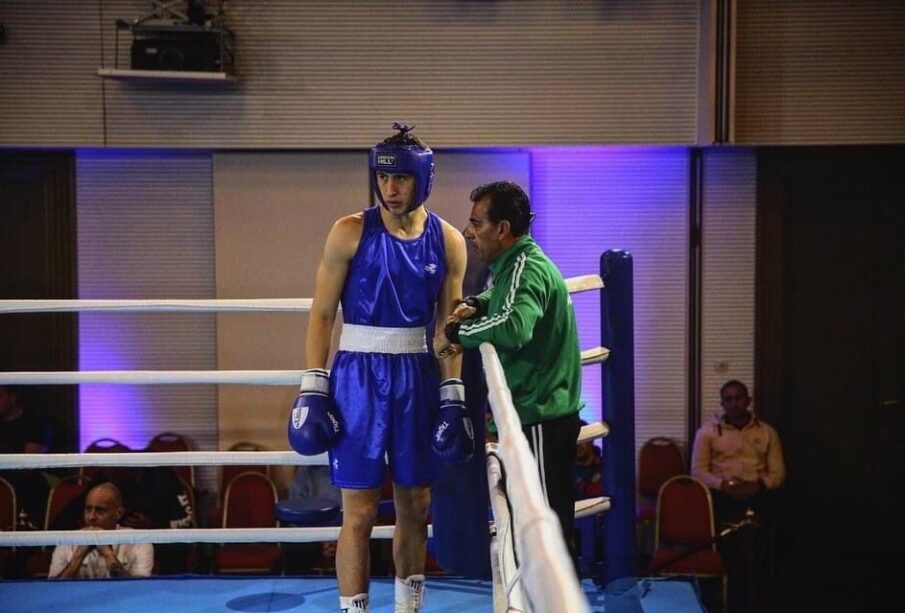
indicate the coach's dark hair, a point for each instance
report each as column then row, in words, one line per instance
column 508, row 202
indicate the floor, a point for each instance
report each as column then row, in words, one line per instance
column 195, row 593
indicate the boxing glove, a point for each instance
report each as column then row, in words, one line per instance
column 313, row 424
column 453, row 435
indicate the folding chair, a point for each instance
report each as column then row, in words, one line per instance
column 61, row 494
column 249, row 503
column 684, row 541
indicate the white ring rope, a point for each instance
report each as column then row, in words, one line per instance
column 199, row 458
column 547, row 576
column 183, row 535
column 502, row 562
column 191, row 377
column 158, row 306
column 549, row 581
column 220, row 305
column 595, row 355
column 155, row 377
column 159, row 458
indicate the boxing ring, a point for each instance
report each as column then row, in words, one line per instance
column 531, row 567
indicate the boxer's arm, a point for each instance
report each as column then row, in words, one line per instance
column 450, row 295
column 339, row 249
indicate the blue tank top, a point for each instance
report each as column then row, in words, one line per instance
column 394, row 282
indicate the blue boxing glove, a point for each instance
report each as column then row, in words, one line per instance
column 453, row 436
column 313, row 425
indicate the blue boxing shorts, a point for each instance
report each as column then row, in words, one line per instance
column 384, row 385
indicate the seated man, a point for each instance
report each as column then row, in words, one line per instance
column 154, row 497
column 588, row 463
column 313, row 482
column 103, row 509
column 739, row 457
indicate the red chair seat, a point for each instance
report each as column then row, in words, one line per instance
column 248, row 558
column 704, row 562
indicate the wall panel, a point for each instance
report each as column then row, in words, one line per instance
column 48, row 92
column 591, row 200
column 325, row 74
column 145, row 230
column 820, row 72
column 727, row 272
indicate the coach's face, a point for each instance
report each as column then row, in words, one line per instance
column 486, row 235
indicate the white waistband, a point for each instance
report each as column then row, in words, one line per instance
column 374, row 339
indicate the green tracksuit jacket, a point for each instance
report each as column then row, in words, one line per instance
column 528, row 317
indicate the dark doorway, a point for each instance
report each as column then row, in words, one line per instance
column 38, row 255
column 830, row 364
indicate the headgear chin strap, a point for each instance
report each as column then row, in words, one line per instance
column 403, row 158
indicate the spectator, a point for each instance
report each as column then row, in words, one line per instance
column 103, row 510
column 313, row 482
column 739, row 457
column 588, row 462
column 22, row 432
column 158, row 500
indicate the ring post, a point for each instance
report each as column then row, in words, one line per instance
column 617, row 331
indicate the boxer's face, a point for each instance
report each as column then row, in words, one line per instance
column 486, row 235
column 398, row 191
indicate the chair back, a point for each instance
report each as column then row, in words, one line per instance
column 684, row 512
column 249, row 502
column 61, row 494
column 229, row 472
column 7, row 506
column 659, row 459
column 102, row 445
column 172, row 442
column 107, row 445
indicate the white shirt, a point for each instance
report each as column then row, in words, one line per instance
column 137, row 559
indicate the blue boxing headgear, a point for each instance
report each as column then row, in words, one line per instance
column 401, row 154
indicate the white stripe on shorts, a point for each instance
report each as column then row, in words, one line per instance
column 537, row 438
